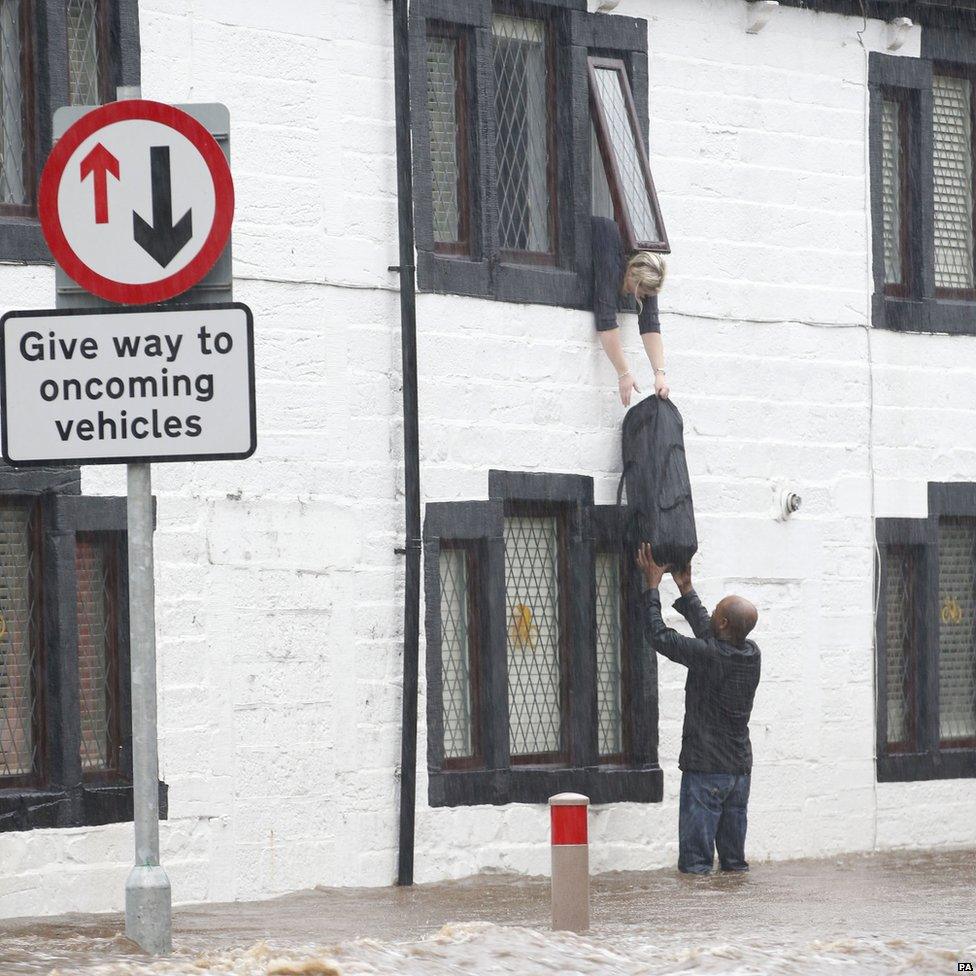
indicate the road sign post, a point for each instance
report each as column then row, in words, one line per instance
column 136, row 203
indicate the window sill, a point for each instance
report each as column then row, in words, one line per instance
column 523, row 283
column 939, row 315
column 21, row 241
column 913, row 767
column 457, row 788
column 29, row 808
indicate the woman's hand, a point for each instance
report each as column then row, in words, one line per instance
column 627, row 387
column 661, row 387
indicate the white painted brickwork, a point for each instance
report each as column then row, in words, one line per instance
column 279, row 591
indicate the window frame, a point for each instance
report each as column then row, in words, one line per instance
column 62, row 794
column 48, row 79
column 486, row 271
column 922, row 308
column 501, row 778
column 610, row 162
column 929, row 757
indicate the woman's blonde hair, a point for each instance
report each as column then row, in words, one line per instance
column 647, row 271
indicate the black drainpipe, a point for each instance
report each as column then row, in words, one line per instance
column 411, row 446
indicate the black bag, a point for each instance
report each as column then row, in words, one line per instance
column 660, row 509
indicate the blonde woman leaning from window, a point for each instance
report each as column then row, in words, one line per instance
column 642, row 275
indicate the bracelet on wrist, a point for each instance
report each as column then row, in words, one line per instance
column 626, row 372
column 660, row 370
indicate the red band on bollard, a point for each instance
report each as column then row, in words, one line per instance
column 568, row 825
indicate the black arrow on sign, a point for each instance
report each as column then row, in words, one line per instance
column 163, row 240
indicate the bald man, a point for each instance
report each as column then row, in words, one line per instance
column 716, row 754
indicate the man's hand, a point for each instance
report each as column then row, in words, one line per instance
column 653, row 574
column 683, row 578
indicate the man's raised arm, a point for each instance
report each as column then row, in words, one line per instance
column 688, row 604
column 683, row 650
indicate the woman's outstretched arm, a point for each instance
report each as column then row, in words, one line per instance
column 654, row 347
column 610, row 340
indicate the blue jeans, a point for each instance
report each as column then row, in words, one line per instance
column 712, row 814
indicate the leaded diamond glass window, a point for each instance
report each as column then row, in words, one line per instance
column 891, row 188
column 957, row 620
column 900, row 645
column 624, row 155
column 448, row 151
column 96, row 575
column 608, row 655
column 523, row 151
column 19, row 642
column 953, row 182
column 83, row 51
column 456, row 640
column 533, row 588
column 14, row 131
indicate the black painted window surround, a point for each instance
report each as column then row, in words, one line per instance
column 922, row 225
column 926, row 640
column 66, row 742
column 538, row 679
column 53, row 42
column 543, row 208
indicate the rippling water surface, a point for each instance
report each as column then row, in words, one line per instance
column 893, row 913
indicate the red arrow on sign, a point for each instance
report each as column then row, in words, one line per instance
column 100, row 162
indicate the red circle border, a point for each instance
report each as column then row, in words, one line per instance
column 64, row 254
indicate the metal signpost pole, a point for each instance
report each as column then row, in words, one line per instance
column 109, row 256
column 148, row 898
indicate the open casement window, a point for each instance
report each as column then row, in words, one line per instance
column 626, row 168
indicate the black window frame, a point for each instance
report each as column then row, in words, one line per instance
column 919, row 306
column 927, row 758
column 496, row 778
column 485, row 271
column 48, row 85
column 59, row 792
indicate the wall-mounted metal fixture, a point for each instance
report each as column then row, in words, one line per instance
column 898, row 29
column 785, row 503
column 758, row 13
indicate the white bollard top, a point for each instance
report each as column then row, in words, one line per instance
column 569, row 800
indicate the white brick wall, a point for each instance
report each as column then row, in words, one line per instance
column 279, row 593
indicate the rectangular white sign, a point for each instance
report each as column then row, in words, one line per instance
column 117, row 385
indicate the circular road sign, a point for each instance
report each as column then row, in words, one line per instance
column 136, row 202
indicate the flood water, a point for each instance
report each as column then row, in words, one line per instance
column 891, row 913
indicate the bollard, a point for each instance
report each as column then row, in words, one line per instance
column 570, row 862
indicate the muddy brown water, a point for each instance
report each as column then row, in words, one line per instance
column 883, row 913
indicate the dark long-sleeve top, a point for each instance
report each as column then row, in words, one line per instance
column 609, row 268
column 719, row 690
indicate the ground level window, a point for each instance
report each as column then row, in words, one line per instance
column 533, row 687
column 926, row 635
column 21, row 711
